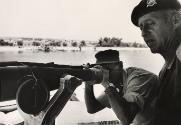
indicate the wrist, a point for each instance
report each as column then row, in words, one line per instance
column 107, row 84
column 110, row 90
column 112, row 87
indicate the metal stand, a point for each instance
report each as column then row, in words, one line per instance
column 32, row 110
column 46, row 116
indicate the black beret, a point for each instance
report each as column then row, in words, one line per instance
column 146, row 6
column 107, row 56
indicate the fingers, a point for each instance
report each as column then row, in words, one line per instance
column 68, row 77
column 70, row 82
column 75, row 80
column 62, row 81
column 72, row 79
column 105, row 75
column 104, row 71
column 86, row 66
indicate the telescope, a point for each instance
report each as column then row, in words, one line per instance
column 30, row 78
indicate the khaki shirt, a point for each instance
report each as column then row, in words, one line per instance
column 141, row 87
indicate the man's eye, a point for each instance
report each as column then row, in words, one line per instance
column 146, row 25
column 150, row 23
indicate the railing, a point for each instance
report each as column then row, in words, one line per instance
column 115, row 122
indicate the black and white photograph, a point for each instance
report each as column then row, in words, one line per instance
column 90, row 62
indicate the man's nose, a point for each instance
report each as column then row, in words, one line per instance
column 145, row 31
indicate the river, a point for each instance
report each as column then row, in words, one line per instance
column 142, row 58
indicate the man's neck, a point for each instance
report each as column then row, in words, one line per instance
column 169, row 56
column 169, row 52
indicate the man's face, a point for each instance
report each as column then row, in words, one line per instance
column 155, row 31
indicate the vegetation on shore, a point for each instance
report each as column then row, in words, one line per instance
column 102, row 42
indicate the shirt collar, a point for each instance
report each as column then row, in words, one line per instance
column 171, row 63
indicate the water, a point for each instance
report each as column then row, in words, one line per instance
column 138, row 57
column 142, row 58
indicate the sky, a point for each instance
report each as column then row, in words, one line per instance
column 69, row 19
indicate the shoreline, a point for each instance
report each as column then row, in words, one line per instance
column 16, row 48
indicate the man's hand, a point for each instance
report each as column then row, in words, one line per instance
column 105, row 74
column 71, row 82
column 105, row 81
column 95, row 69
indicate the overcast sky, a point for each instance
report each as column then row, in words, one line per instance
column 69, row 19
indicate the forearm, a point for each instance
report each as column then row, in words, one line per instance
column 58, row 101
column 120, row 106
column 92, row 104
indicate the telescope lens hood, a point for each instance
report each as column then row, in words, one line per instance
column 32, row 96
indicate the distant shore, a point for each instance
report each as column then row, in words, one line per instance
column 16, row 48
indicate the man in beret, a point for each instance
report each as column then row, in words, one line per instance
column 130, row 92
column 160, row 25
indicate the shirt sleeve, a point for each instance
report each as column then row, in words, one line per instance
column 141, row 87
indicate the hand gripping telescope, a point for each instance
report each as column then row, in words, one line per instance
column 29, row 80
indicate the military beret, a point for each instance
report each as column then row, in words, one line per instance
column 107, row 56
column 146, row 6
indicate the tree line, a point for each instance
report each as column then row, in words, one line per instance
column 117, row 42
column 102, row 42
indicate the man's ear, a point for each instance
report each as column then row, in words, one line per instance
column 176, row 20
